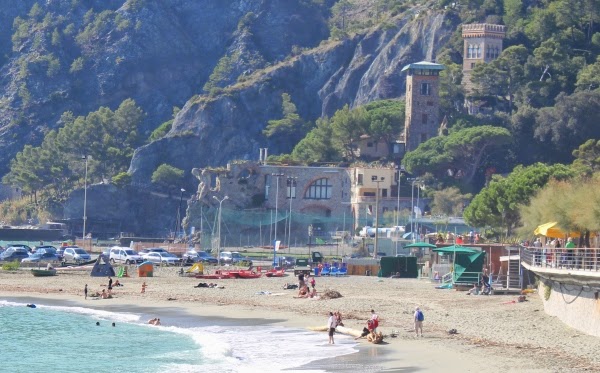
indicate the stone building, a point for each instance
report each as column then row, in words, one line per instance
column 422, row 103
column 482, row 44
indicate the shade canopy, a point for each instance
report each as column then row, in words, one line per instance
column 551, row 230
column 421, row 244
column 455, row 249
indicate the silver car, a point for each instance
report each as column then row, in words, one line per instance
column 76, row 254
column 161, row 258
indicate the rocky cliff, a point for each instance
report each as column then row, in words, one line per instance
column 211, row 130
column 64, row 55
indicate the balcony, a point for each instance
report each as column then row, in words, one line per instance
column 580, row 265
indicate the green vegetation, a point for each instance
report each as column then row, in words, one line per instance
column 288, row 130
column 11, row 266
column 167, row 176
column 336, row 138
column 459, row 155
column 499, row 203
column 164, row 128
column 221, row 72
column 56, row 167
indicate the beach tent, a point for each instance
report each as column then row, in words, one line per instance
column 468, row 262
column 406, row 265
column 102, row 268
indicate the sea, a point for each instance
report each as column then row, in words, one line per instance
column 52, row 338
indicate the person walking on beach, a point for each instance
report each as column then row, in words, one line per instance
column 85, row 291
column 110, row 282
column 419, row 318
column 144, row 287
column 331, row 327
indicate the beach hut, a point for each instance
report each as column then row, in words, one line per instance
column 146, row 269
column 467, row 263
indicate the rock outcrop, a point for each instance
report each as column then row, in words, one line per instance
column 78, row 56
column 209, row 131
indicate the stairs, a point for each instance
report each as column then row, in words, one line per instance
column 513, row 275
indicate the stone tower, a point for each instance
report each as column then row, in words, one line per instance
column 422, row 103
column 482, row 44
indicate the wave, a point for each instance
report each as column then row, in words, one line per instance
column 231, row 348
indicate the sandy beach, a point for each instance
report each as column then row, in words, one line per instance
column 495, row 334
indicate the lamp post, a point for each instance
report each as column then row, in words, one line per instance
column 376, row 180
column 291, row 182
column 400, row 170
column 412, row 206
column 276, row 215
column 219, row 227
column 178, row 225
column 85, row 196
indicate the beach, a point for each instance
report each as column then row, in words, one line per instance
column 494, row 333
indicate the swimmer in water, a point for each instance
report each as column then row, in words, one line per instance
column 97, row 323
column 31, row 305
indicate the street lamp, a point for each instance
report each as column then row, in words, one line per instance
column 412, row 207
column 376, row 180
column 219, row 227
column 276, row 216
column 85, row 157
column 400, row 171
column 291, row 182
column 178, row 225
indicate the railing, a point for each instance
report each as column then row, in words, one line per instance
column 582, row 259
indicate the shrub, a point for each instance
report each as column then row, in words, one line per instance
column 11, row 266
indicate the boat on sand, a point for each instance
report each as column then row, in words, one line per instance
column 43, row 272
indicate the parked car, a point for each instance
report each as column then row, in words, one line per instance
column 13, row 253
column 124, row 255
column 229, row 257
column 19, row 245
column 153, row 250
column 76, row 254
column 193, row 256
column 286, row 261
column 44, row 248
column 43, row 254
column 161, row 258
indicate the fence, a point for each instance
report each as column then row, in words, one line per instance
column 583, row 259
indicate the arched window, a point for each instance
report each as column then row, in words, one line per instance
column 478, row 51
column 319, row 189
column 470, row 52
column 487, row 52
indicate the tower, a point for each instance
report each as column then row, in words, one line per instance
column 482, row 44
column 422, row 103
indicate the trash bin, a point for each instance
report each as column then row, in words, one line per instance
column 316, row 270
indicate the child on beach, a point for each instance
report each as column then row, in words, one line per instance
column 144, row 287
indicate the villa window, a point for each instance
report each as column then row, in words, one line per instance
column 320, row 189
column 425, row 89
column 360, row 179
column 424, row 118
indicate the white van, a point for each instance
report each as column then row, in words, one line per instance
column 124, row 255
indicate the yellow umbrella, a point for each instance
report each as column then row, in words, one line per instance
column 552, row 230
column 549, row 230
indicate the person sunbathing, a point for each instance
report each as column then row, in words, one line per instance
column 304, row 292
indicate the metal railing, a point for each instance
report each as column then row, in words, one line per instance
column 582, row 259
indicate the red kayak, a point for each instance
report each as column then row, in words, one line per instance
column 248, row 274
column 218, row 275
column 275, row 273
